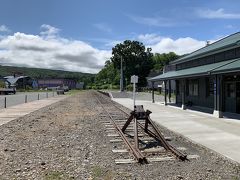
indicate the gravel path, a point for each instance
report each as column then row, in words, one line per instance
column 67, row 141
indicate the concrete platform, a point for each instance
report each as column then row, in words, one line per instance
column 17, row 111
column 220, row 135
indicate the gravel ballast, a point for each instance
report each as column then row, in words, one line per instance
column 67, row 140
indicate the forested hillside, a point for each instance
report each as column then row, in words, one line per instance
column 46, row 73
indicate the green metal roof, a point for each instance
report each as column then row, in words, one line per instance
column 228, row 41
column 233, row 66
column 199, row 70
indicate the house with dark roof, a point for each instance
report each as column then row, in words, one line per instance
column 19, row 82
column 208, row 77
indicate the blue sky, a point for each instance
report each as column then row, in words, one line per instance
column 78, row 35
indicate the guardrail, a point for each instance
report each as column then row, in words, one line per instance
column 8, row 101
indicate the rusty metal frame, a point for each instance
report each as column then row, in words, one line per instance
column 156, row 134
column 135, row 151
column 148, row 122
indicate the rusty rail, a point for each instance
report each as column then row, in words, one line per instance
column 133, row 150
column 157, row 135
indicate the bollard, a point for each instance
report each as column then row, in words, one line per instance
column 5, row 102
column 47, row 94
column 25, row 98
column 53, row 94
column 38, row 97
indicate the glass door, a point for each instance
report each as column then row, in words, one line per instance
column 230, row 97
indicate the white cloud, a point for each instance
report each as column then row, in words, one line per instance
column 217, row 14
column 149, row 38
column 112, row 43
column 50, row 51
column 155, row 21
column 103, row 27
column 4, row 28
column 49, row 31
column 161, row 44
column 179, row 46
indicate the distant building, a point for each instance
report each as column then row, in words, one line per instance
column 20, row 82
column 159, row 85
column 80, row 85
column 34, row 84
column 50, row 83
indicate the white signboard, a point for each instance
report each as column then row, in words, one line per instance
column 134, row 79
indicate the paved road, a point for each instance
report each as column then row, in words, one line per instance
column 19, row 98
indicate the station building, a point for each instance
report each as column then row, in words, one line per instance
column 208, row 77
column 49, row 83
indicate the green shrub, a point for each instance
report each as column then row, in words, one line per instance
column 105, row 86
column 130, row 87
column 115, row 86
column 28, row 88
column 2, row 84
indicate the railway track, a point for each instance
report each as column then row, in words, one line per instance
column 133, row 139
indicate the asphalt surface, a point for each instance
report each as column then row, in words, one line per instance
column 19, row 98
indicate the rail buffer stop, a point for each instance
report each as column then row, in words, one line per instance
column 138, row 116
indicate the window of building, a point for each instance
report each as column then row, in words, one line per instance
column 177, row 87
column 193, row 87
column 237, row 52
column 219, row 57
column 230, row 90
column 209, row 86
column 231, row 54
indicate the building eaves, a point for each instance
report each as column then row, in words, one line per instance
column 218, row 46
column 223, row 67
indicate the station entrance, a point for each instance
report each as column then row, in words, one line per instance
column 232, row 94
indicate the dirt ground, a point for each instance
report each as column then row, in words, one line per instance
column 67, row 140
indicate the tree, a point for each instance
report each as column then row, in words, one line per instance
column 108, row 75
column 137, row 60
column 160, row 60
column 2, row 84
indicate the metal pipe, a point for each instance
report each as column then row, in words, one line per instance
column 5, row 102
column 121, row 76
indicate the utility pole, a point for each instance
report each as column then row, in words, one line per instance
column 121, row 76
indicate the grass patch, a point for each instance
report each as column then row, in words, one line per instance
column 73, row 92
column 56, row 175
column 101, row 173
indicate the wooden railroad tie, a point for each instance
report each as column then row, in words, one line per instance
column 139, row 114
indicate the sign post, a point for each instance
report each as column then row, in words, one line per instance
column 134, row 80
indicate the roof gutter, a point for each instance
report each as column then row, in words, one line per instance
column 197, row 56
column 210, row 72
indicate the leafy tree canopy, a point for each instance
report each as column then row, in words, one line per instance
column 160, row 60
column 137, row 60
column 108, row 75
